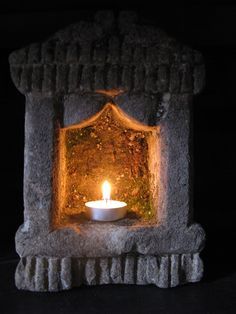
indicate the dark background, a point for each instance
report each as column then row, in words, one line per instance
column 209, row 28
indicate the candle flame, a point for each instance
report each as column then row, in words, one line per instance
column 106, row 190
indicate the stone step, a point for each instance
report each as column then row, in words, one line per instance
column 53, row 274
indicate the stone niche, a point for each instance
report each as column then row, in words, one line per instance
column 111, row 146
column 108, row 98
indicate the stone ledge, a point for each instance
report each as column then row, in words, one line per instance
column 76, row 78
column 108, row 54
column 36, row 273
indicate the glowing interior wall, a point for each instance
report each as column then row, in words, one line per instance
column 109, row 146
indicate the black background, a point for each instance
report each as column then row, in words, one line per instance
column 209, row 28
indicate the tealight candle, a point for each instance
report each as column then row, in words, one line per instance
column 106, row 209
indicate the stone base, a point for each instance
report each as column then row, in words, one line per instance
column 54, row 274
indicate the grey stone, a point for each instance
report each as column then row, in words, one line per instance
column 141, row 270
column 129, row 269
column 90, row 271
column 116, row 270
column 39, row 274
column 104, row 271
column 66, row 278
column 68, row 79
column 53, row 274
column 121, row 46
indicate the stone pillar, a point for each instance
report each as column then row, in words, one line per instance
column 175, row 182
column 38, row 165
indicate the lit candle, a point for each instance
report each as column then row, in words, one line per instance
column 106, row 191
column 106, row 209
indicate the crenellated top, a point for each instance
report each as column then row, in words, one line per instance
column 108, row 53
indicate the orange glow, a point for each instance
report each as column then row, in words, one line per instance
column 119, row 149
column 106, row 190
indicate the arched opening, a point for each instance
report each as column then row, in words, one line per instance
column 109, row 146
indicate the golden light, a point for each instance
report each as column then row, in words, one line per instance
column 106, row 190
column 106, row 209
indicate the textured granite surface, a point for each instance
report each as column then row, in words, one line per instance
column 54, row 274
column 64, row 80
column 108, row 53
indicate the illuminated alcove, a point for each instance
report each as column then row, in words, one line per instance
column 77, row 137
column 109, row 146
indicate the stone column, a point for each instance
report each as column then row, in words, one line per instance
column 38, row 167
column 175, row 203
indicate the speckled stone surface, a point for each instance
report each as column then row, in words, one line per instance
column 61, row 80
column 54, row 274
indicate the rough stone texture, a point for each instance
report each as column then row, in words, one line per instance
column 111, row 239
column 108, row 54
column 113, row 150
column 54, row 274
column 66, row 80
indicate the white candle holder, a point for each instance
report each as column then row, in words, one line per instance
column 106, row 210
